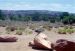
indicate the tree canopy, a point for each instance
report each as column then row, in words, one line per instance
column 64, row 17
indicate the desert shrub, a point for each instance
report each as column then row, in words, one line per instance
column 28, row 31
column 62, row 31
column 33, row 27
column 69, row 30
column 22, row 31
column 19, row 32
column 47, row 27
column 21, row 28
column 39, row 30
column 11, row 28
column 8, row 32
column 66, row 27
column 65, row 30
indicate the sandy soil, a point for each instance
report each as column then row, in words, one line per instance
column 21, row 45
column 23, row 41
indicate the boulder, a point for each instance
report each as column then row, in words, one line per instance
column 41, row 41
column 63, row 45
column 7, row 38
column 42, row 35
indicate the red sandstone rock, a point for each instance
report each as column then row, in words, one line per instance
column 64, row 45
column 6, row 38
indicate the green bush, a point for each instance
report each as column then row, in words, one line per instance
column 62, row 31
column 69, row 30
column 66, row 30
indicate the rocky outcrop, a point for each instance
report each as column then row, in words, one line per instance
column 63, row 45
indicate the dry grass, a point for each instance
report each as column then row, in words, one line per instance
column 9, row 28
column 19, row 32
column 47, row 27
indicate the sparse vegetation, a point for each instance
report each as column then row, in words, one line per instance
column 47, row 27
column 28, row 31
column 9, row 28
column 65, row 30
column 33, row 26
column 19, row 32
column 62, row 31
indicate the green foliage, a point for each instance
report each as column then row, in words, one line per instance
column 69, row 30
column 63, row 17
column 65, row 30
column 19, row 32
column 27, row 18
column 35, row 16
column 64, row 14
column 52, row 20
column 1, row 16
column 62, row 31
column 68, row 20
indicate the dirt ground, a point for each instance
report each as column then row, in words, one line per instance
column 21, row 45
column 23, row 41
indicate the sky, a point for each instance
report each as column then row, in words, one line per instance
column 52, row 5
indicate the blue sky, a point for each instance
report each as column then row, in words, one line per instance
column 52, row 5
